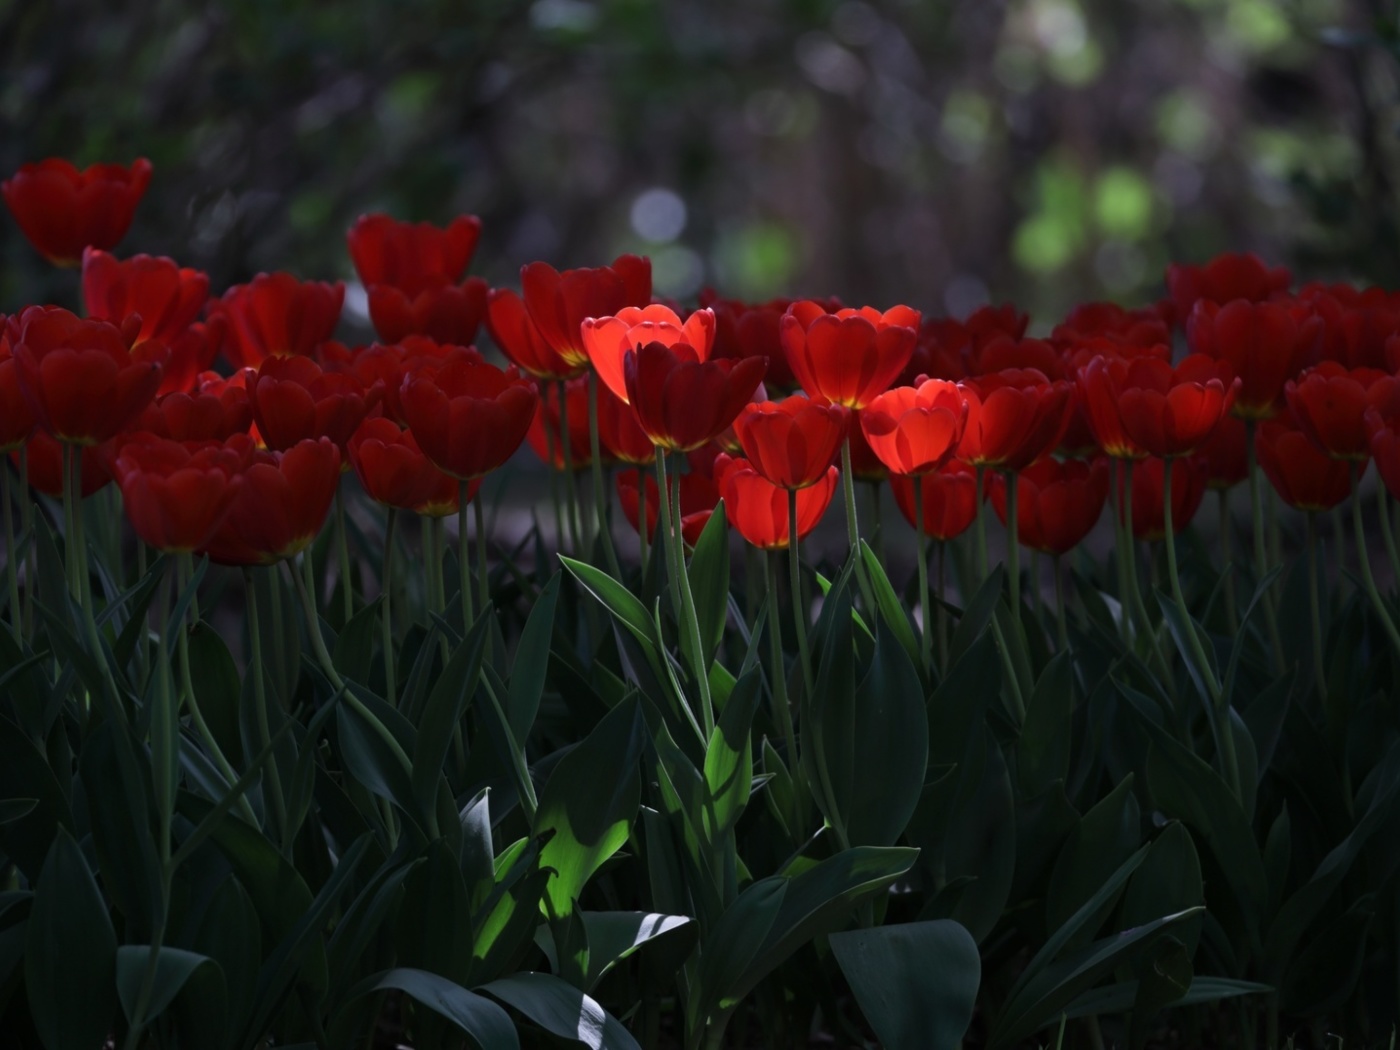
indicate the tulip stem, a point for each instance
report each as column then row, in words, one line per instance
column 11, row 573
column 942, row 610
column 1383, row 507
column 483, row 579
column 1363, row 557
column 73, row 496
column 342, row 549
column 72, row 543
column 1319, row 669
column 642, row 524
column 570, row 488
column 1013, row 541
column 1122, row 537
column 464, row 565
column 26, row 525
column 876, row 516
column 981, row 524
column 260, row 701
column 550, row 448
column 663, row 499
column 1232, row 618
column 1145, row 624
column 848, row 488
column 1061, row 624
column 600, row 492
column 921, row 546
column 691, row 622
column 386, row 623
column 1261, row 547
column 799, row 607
column 782, row 708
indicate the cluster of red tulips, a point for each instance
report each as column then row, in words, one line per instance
column 228, row 421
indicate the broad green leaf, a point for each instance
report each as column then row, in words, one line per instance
column 1102, row 840
column 1115, row 998
column 915, row 982
column 709, row 581
column 70, row 955
column 728, row 770
column 892, row 610
column 174, row 967
column 617, row 599
column 1168, row 881
column 229, row 934
column 562, row 1009
column 1164, row 976
column 354, row 646
column 482, row 1021
column 1043, row 748
column 217, row 687
column 736, row 939
column 616, row 935
column 531, row 667
column 443, row 713
column 977, row 614
column 13, row 808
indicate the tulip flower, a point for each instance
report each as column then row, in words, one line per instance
column 622, row 436
column 1225, row 278
column 915, row 430
column 411, row 256
column 1188, row 489
column 1329, row 404
column 949, row 497
column 851, row 356
column 1304, row 476
column 1225, row 455
column 752, row 330
column 167, row 297
column 758, row 509
column 390, row 365
column 174, row 496
column 468, row 417
column 393, row 471
column 683, row 402
column 192, row 352
column 1114, row 324
column 545, row 429
column 946, row 347
column 448, row 313
column 608, row 340
column 62, row 210
column 17, row 420
column 1014, row 418
column 791, row 442
column 558, row 303
column 1059, row 503
column 277, row 315
column 1263, row 343
column 517, row 337
column 216, row 410
column 45, row 456
column 293, row 399
column 699, row 496
column 1173, row 411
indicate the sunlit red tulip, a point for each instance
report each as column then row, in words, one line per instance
column 83, row 379
column 1302, row 474
column 293, row 399
column 1329, row 404
column 469, row 417
column 758, row 509
column 1225, row 278
column 517, row 337
column 63, row 210
column 275, row 314
column 544, row 434
column 1014, row 418
column 393, row 470
column 46, row 466
column 217, row 409
column 949, row 498
column 1188, row 489
column 682, row 402
column 699, row 495
column 559, row 302
column 1173, row 411
column 608, row 340
column 411, row 256
column 791, row 442
column 175, row 497
column 914, row 430
column 282, row 504
column 851, row 356
column 1263, row 343
column 167, row 297
column 1057, row 503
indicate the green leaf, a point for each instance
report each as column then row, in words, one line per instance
column 616, row 598
column 443, row 712
column 217, row 687
column 229, row 934
column 25, row 773
column 915, row 982
column 531, row 667
column 1164, row 976
column 728, row 770
column 482, row 1021
column 371, row 762
column 709, row 580
column 616, row 935
column 977, row 615
column 589, row 803
column 11, row 809
column 1115, row 998
column 1168, row 881
column 1043, row 748
column 736, row 939
column 562, row 1010
column 892, row 610
column 174, row 967
column 1179, row 627
column 70, row 954
column 1102, row 840
column 354, row 646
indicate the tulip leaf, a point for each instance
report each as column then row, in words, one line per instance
column 617, row 599
column 354, row 646
column 481, row 1020
column 892, row 610
column 1115, row 998
column 916, row 983
column 229, row 934
column 563, row 1010
column 977, row 614
column 531, row 667
column 709, row 581
column 728, row 769
column 26, row 773
column 1043, row 748
column 173, row 968
column 443, row 713
column 217, row 687
column 1169, row 880
column 1105, row 837
column 616, row 935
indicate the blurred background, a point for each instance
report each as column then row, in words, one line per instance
column 942, row 154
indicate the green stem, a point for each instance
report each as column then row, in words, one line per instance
column 663, row 501
column 11, row 572
column 165, row 732
column 921, row 546
column 642, row 520
column 799, row 607
column 1145, row 625
column 1339, row 536
column 71, row 496
column 692, row 618
column 1388, row 533
column 550, row 447
column 143, row 656
column 1314, row 601
column 342, row 546
column 464, row 563
column 848, row 490
column 942, row 611
column 1013, row 542
column 1060, row 621
column 386, row 622
column 600, row 492
column 981, row 524
column 1232, row 618
column 782, row 708
column 26, row 524
column 570, row 489
column 1261, row 547
column 1363, row 557
column 87, row 606
column 483, row 581
column 437, row 586
column 1122, row 539
column 260, row 700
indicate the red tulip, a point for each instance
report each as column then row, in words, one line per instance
column 758, row 509
column 393, row 471
column 1224, row 456
column 82, row 379
column 517, row 337
column 682, row 402
column 63, row 210
column 865, row 465
column 17, row 420
column 277, row 315
column 945, row 347
column 1223, row 279
column 1057, row 503
column 1303, row 475
column 167, row 298
column 1329, row 404
column 1355, row 325
column 1144, row 327
column 389, row 365
column 1173, row 411
column 469, row 417
column 699, row 496
column 448, row 313
column 849, row 357
column 791, row 442
column 174, row 496
column 915, row 430
column 1263, row 343
column 1096, row 391
column 192, row 352
column 620, row 433
column 293, row 399
column 1188, row 489
column 282, row 504
column 558, row 302
column 1014, row 418
column 608, row 340
column 949, row 497
column 544, row 429
column 1383, row 429
column 411, row 256
column 752, row 330
column 215, row 411
column 46, row 466
column 1003, row 353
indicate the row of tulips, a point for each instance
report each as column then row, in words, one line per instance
column 227, row 423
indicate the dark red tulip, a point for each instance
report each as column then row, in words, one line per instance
column 1003, row 353
column 46, row 466
column 1096, row 394
column 293, row 400
column 1188, row 489
column 167, row 297
column 753, row 330
column 1355, row 324
column 1143, row 327
column 517, row 337
column 1383, row 430
column 390, row 364
column 1302, row 474
column 276, row 315
column 83, row 379
column 949, row 498
column 174, row 496
column 558, row 302
column 1173, row 411
column 1224, row 456
column 1225, row 278
column 192, row 352
column 217, row 409
column 411, row 256
column 608, row 340
column 393, row 471
column 1263, row 343
column 682, row 402
column 915, row 430
column 1057, row 503
column 946, row 347
column 791, row 442
column 63, row 210
column 469, row 417
column 282, row 504
column 699, row 495
column 17, row 420
column 619, row 431
column 1014, row 418
column 1329, row 404
column 544, row 429
column 447, row 313
column 849, row 357
column 758, row 509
